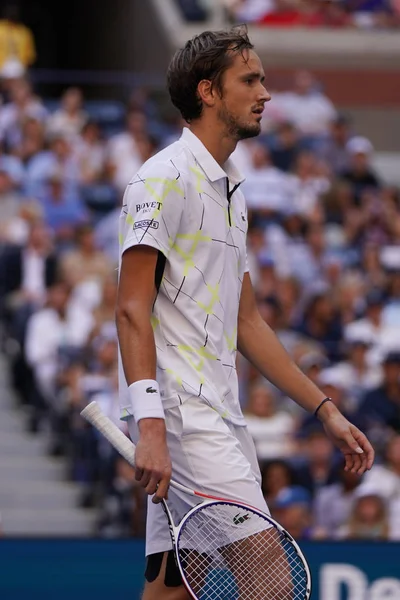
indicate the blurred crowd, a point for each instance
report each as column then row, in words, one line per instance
column 360, row 14
column 324, row 256
column 356, row 14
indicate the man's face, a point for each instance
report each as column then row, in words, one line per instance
column 243, row 96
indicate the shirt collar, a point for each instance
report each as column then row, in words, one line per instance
column 207, row 162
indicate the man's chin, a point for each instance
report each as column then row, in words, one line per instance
column 250, row 131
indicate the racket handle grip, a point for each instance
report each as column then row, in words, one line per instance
column 93, row 414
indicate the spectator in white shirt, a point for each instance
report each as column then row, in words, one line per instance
column 248, row 11
column 24, row 104
column 90, row 151
column 372, row 324
column 70, row 117
column 308, row 108
column 125, row 151
column 309, row 184
column 268, row 190
column 333, row 503
column 60, row 325
column 270, row 427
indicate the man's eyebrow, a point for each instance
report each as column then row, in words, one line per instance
column 254, row 75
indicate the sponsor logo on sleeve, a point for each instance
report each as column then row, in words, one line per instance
column 146, row 224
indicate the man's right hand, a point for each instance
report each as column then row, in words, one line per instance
column 153, row 464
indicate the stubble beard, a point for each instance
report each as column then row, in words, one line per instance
column 235, row 129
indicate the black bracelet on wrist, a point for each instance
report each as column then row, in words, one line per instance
column 321, row 404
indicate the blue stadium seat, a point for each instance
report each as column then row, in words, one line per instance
column 192, row 10
column 109, row 114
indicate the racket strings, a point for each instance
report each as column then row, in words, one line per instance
column 229, row 553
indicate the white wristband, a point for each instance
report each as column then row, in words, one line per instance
column 145, row 400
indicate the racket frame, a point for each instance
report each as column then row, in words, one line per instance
column 94, row 415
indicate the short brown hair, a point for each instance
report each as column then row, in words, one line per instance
column 206, row 56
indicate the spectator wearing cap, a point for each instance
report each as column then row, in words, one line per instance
column 373, row 327
column 293, row 509
column 356, row 374
column 359, row 172
column 380, row 407
column 312, row 363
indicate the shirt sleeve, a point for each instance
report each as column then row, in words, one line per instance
column 152, row 209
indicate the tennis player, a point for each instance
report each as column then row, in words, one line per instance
column 186, row 304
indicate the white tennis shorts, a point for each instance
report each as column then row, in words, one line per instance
column 209, row 455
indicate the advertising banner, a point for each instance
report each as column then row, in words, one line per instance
column 113, row 569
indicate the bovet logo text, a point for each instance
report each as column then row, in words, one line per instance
column 147, row 206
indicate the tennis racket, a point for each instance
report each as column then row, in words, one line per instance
column 225, row 550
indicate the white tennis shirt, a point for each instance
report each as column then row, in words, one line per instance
column 184, row 204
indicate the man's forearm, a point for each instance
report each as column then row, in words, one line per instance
column 137, row 347
column 138, row 354
column 259, row 344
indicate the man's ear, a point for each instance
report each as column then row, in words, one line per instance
column 206, row 92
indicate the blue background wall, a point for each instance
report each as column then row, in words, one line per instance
column 113, row 570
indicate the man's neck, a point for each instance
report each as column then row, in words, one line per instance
column 219, row 144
